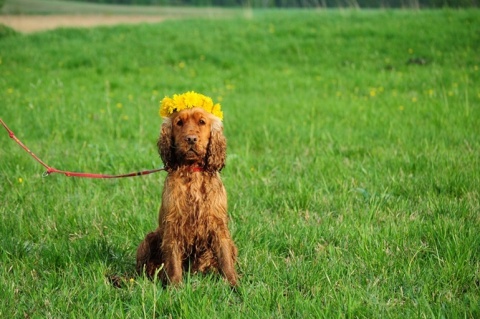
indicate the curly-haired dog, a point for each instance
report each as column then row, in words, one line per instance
column 192, row 228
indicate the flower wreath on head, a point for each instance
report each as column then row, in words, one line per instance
column 189, row 100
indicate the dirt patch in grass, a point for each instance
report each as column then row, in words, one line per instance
column 36, row 23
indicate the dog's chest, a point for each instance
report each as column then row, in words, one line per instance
column 193, row 207
column 192, row 195
column 195, row 194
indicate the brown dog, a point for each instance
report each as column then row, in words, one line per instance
column 192, row 228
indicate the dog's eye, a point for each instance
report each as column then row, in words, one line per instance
column 179, row 123
column 202, row 122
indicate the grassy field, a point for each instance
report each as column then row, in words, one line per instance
column 352, row 173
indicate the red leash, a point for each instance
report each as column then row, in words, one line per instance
column 51, row 170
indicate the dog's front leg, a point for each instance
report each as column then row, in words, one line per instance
column 173, row 264
column 226, row 255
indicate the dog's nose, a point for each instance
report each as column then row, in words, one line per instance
column 191, row 139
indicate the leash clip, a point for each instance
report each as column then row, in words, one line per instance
column 49, row 171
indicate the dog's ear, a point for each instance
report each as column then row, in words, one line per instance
column 165, row 143
column 217, row 147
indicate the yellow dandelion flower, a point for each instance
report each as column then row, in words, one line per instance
column 209, row 106
column 217, row 111
column 119, row 105
column 188, row 100
column 20, row 180
column 165, row 107
column 178, row 102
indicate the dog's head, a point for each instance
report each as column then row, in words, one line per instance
column 192, row 137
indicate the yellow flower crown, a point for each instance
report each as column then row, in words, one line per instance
column 188, row 100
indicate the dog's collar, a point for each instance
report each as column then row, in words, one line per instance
column 195, row 168
column 186, row 168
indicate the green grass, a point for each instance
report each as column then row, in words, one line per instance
column 353, row 175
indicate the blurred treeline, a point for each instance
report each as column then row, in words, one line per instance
column 304, row 3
